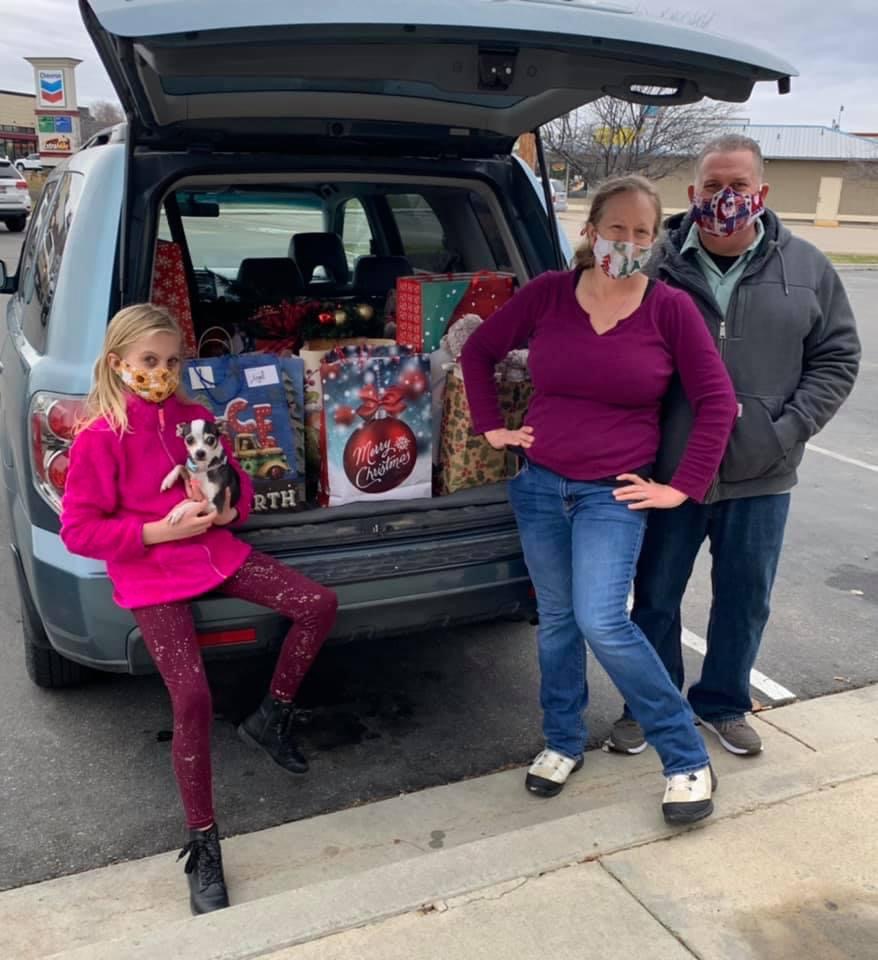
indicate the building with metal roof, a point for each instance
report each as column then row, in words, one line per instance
column 779, row 141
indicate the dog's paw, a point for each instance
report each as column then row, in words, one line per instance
column 175, row 516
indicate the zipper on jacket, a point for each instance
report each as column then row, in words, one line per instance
column 161, row 434
column 722, row 337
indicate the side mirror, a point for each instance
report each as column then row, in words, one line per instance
column 7, row 282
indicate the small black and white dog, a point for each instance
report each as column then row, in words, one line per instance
column 207, row 466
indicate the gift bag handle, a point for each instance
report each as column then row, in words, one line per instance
column 203, row 338
column 234, row 362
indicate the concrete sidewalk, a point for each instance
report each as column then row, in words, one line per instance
column 786, row 868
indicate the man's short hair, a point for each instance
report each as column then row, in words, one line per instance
column 730, row 143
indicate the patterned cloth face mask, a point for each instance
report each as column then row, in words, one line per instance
column 620, row 258
column 154, row 385
column 727, row 212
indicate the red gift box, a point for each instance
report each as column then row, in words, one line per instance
column 428, row 304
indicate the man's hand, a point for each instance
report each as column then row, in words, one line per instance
column 499, row 439
column 228, row 514
column 642, row 494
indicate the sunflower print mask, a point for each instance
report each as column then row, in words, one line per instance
column 154, row 385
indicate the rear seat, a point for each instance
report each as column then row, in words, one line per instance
column 269, row 280
column 376, row 276
column 313, row 250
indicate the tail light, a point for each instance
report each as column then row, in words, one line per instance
column 53, row 422
column 21, row 184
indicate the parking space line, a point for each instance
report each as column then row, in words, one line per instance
column 765, row 685
column 840, row 456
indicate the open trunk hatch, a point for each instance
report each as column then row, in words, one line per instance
column 470, row 74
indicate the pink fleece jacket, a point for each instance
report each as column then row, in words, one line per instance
column 113, row 489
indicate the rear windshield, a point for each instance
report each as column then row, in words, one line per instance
column 7, row 170
column 436, row 229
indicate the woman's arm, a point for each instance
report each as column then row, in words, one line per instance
column 89, row 526
column 709, row 391
column 509, row 328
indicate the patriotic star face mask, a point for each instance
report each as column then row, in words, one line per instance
column 727, row 212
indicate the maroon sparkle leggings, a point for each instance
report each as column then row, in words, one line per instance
column 169, row 633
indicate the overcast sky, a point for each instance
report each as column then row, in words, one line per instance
column 833, row 44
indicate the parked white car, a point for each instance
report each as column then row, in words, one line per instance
column 30, row 162
column 15, row 202
column 559, row 196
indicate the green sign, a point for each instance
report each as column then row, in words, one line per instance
column 47, row 124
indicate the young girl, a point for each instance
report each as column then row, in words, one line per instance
column 114, row 510
column 604, row 343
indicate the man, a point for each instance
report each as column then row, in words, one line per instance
column 784, row 327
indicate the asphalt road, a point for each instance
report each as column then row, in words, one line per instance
column 85, row 776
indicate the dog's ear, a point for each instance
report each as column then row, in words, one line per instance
column 221, row 428
column 182, row 429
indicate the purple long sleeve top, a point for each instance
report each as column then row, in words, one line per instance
column 597, row 397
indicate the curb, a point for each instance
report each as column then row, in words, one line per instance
column 262, row 927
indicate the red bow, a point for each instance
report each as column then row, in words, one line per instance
column 393, row 401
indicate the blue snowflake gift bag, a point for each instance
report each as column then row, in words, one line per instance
column 376, row 430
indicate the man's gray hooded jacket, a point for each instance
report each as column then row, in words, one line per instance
column 790, row 344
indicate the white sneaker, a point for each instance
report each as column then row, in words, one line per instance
column 548, row 773
column 688, row 796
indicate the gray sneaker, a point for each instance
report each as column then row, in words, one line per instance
column 736, row 735
column 626, row 737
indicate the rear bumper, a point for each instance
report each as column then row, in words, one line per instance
column 391, row 590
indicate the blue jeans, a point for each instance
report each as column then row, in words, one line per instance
column 581, row 548
column 746, row 537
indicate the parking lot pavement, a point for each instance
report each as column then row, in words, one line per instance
column 85, row 775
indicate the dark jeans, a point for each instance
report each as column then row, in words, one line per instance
column 581, row 549
column 745, row 537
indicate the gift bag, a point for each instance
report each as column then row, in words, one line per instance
column 294, row 385
column 169, row 290
column 376, row 435
column 426, row 305
column 467, row 459
column 247, row 394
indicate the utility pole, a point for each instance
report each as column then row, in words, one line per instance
column 527, row 150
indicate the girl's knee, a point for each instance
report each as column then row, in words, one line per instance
column 192, row 703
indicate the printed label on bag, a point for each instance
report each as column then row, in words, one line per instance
column 261, row 376
column 200, row 377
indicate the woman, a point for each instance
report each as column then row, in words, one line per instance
column 604, row 343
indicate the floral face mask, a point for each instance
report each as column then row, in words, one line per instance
column 727, row 212
column 620, row 258
column 155, row 385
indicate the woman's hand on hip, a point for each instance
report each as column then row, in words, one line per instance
column 499, row 439
column 190, row 518
column 642, row 494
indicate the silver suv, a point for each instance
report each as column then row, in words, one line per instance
column 391, row 142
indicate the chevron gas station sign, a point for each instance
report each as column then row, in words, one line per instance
column 51, row 88
column 56, row 110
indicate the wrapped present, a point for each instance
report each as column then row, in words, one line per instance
column 427, row 304
column 376, row 435
column 247, row 395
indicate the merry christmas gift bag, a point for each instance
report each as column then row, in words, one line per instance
column 247, row 394
column 376, row 437
column 427, row 304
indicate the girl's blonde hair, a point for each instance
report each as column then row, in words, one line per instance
column 108, row 394
column 632, row 183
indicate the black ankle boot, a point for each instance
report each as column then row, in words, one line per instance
column 269, row 729
column 204, row 869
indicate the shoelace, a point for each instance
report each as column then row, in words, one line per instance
column 686, row 780
column 205, row 858
column 550, row 759
column 285, row 722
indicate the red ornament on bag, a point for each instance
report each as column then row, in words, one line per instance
column 380, row 455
